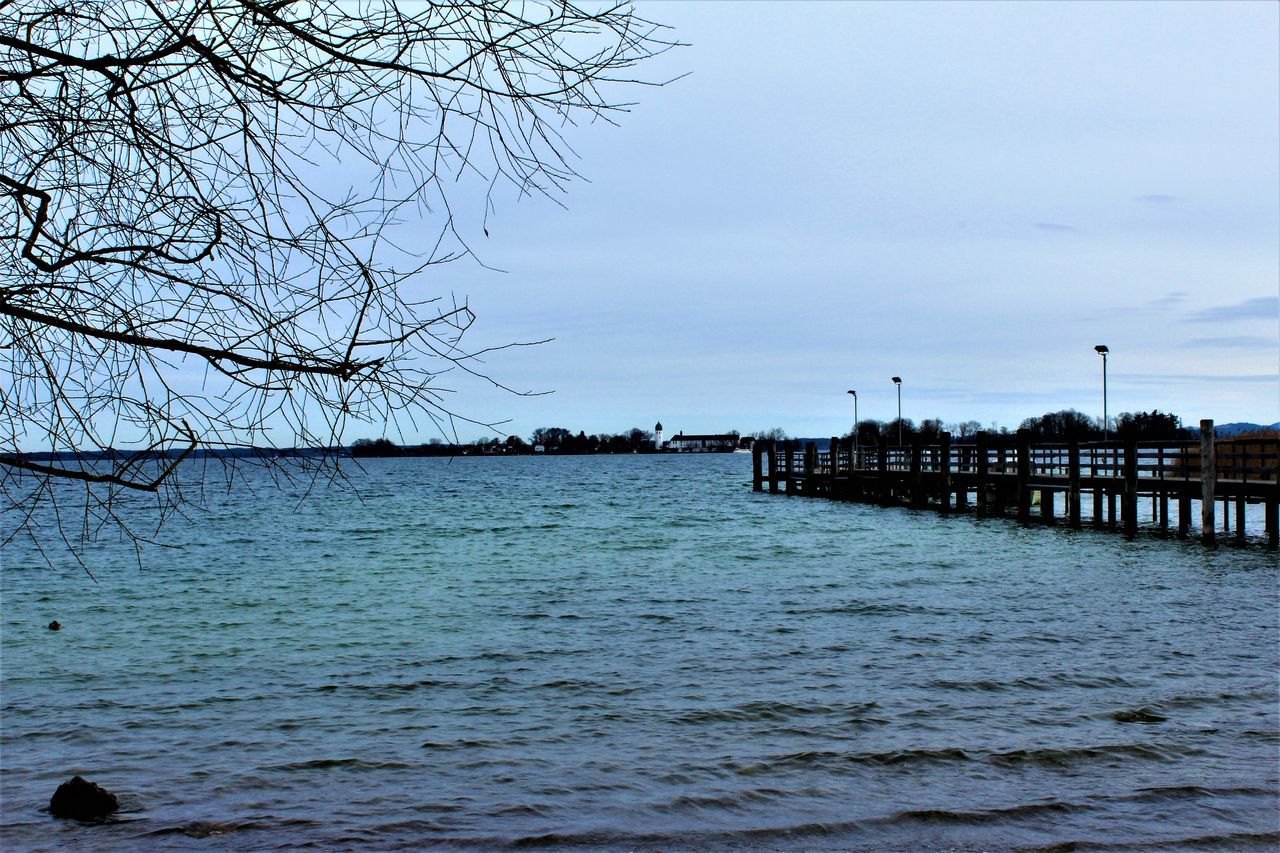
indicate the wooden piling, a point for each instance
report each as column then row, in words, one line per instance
column 1208, row 481
column 944, row 471
column 1130, row 487
column 757, row 466
column 882, row 468
column 789, row 465
column 1073, row 479
column 810, row 463
column 1024, row 475
column 916, row 492
column 983, row 441
column 1184, row 516
column 772, row 449
column 1273, row 518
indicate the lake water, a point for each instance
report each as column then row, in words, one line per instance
column 638, row 652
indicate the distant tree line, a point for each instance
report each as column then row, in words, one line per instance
column 1063, row 425
column 1052, row 426
column 553, row 440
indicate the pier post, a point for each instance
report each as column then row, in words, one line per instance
column 1099, row 518
column 1273, row 517
column 852, row 485
column 1208, row 481
column 983, row 439
column 810, row 485
column 1164, row 493
column 772, row 450
column 833, row 465
column 1240, row 518
column 1073, row 480
column 789, row 465
column 1002, row 464
column 1024, row 475
column 916, row 486
column 944, row 471
column 1184, row 516
column 757, row 466
column 1130, row 509
column 882, row 468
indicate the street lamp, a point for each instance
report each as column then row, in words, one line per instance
column 1101, row 349
column 855, row 422
column 897, row 380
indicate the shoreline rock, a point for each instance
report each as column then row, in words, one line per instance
column 83, row 800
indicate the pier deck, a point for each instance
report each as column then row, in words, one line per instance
column 998, row 474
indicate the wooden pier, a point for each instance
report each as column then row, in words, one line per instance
column 997, row 475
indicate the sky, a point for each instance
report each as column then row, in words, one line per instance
column 968, row 196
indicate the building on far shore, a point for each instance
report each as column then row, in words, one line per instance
column 681, row 443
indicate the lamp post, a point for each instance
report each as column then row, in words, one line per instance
column 855, row 422
column 897, row 380
column 1101, row 349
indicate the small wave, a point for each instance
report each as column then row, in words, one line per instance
column 1026, row 810
column 1229, row 841
column 863, row 608
column 329, row 763
column 1138, row 715
column 212, row 829
column 766, row 710
column 979, row 685
column 1059, row 757
column 469, row 743
column 1185, row 792
column 829, row 758
column 521, row 810
column 735, row 801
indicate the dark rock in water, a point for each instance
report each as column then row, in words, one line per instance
column 55, row 625
column 1138, row 715
column 82, row 800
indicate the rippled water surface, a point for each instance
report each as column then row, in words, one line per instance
column 638, row 652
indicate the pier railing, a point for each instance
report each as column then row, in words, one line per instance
column 1013, row 470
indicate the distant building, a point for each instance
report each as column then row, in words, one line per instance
column 682, row 443
column 657, row 436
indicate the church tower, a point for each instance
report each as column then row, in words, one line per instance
column 657, row 436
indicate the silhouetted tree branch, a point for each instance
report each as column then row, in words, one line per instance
column 201, row 206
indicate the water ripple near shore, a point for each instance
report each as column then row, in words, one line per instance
column 640, row 652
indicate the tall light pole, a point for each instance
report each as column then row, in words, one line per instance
column 855, row 422
column 1101, row 349
column 897, row 380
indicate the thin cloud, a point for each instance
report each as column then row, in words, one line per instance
column 1173, row 300
column 1165, row 303
column 1055, row 226
column 1157, row 198
column 1165, row 378
column 1258, row 308
column 1237, row 342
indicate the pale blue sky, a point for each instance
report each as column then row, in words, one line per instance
column 968, row 196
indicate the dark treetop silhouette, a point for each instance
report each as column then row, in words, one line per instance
column 197, row 209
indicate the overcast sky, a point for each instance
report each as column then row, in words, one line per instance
column 967, row 196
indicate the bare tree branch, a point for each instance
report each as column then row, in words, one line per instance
column 211, row 216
